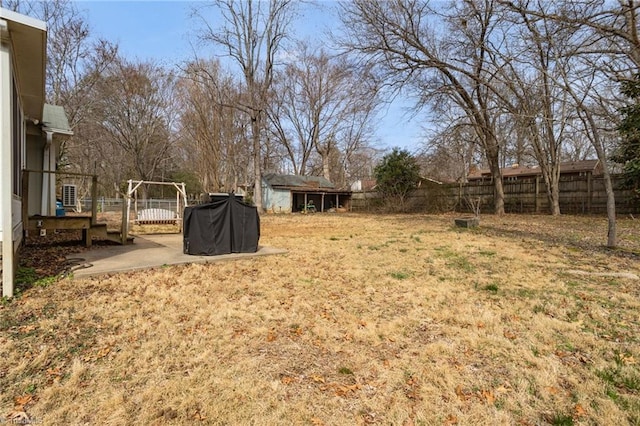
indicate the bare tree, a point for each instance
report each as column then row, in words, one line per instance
column 401, row 38
column 75, row 62
column 252, row 35
column 582, row 92
column 577, row 145
column 532, row 59
column 134, row 117
column 613, row 27
column 213, row 138
column 451, row 152
column 321, row 102
column 609, row 48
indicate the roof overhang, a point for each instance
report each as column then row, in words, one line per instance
column 28, row 39
column 314, row 190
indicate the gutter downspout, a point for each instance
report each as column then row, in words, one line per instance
column 47, row 165
column 6, row 158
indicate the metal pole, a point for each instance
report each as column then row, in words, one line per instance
column 94, row 200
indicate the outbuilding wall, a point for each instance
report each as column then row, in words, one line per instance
column 277, row 200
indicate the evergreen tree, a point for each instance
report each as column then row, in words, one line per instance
column 397, row 175
column 628, row 152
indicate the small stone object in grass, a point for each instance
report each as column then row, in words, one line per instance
column 467, row 222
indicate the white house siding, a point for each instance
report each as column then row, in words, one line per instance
column 6, row 162
column 24, row 66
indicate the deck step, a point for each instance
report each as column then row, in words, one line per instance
column 99, row 231
column 116, row 237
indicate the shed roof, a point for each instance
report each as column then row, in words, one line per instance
column 298, row 182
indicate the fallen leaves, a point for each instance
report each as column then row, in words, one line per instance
column 338, row 389
column 486, row 396
column 296, row 330
column 579, row 411
column 510, row 335
column 99, row 354
column 572, row 357
column 412, row 388
column 238, row 332
column 26, row 329
column 450, row 420
column 19, row 414
column 287, row 380
column 341, row 390
column 627, row 359
column 23, row 400
column 54, row 374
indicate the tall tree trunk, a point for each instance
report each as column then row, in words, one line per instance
column 611, row 210
column 499, row 194
column 594, row 136
column 257, row 164
column 554, row 198
column 493, row 158
column 551, row 176
column 326, row 168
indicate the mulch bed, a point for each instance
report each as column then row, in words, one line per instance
column 47, row 254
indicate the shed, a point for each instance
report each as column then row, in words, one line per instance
column 294, row 193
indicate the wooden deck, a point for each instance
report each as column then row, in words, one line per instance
column 84, row 223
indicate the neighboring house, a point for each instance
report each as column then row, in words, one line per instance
column 30, row 133
column 523, row 173
column 291, row 193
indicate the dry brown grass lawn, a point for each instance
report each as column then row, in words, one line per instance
column 390, row 320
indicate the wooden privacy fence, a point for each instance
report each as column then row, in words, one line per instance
column 578, row 195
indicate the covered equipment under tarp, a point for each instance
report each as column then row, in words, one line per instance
column 223, row 227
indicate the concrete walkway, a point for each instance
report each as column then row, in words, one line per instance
column 147, row 251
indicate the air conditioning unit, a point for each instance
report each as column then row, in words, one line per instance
column 69, row 195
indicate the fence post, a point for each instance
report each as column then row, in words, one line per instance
column 537, row 194
column 589, row 192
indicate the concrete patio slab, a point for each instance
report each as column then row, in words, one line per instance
column 147, row 251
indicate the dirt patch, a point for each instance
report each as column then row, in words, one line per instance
column 367, row 320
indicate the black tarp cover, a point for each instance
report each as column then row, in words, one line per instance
column 223, row 227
